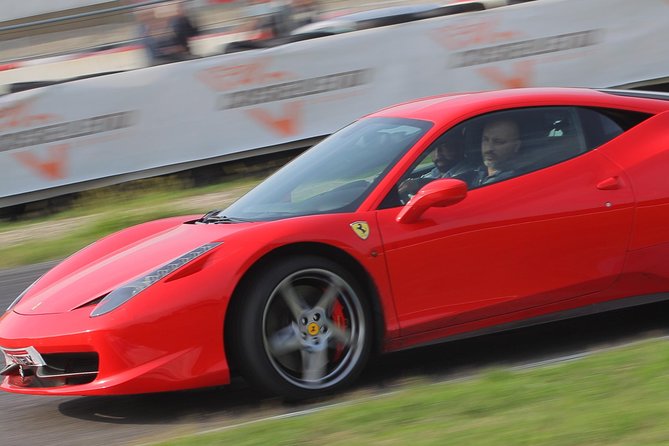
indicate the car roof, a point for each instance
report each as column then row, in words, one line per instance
column 445, row 108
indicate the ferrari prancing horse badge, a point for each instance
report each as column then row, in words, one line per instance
column 361, row 229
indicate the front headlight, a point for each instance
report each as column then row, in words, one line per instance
column 123, row 294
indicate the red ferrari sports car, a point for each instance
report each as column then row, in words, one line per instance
column 432, row 220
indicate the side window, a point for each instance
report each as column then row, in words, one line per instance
column 501, row 145
column 560, row 137
column 602, row 125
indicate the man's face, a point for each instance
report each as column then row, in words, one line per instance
column 446, row 156
column 499, row 144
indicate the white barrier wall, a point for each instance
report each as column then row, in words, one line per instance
column 131, row 122
column 14, row 9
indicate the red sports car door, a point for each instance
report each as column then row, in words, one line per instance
column 545, row 236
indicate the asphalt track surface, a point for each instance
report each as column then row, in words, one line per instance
column 133, row 420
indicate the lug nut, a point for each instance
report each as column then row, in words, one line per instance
column 324, row 329
column 317, row 316
column 304, row 321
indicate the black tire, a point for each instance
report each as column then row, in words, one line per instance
column 302, row 328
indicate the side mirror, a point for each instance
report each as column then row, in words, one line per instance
column 438, row 193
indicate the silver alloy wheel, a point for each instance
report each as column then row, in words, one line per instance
column 313, row 329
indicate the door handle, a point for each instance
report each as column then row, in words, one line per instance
column 611, row 183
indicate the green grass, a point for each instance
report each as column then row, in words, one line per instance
column 619, row 397
column 40, row 250
column 106, row 211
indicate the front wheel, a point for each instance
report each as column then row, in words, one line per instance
column 304, row 328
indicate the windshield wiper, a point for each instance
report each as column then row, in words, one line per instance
column 212, row 217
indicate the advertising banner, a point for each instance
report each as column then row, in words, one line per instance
column 79, row 133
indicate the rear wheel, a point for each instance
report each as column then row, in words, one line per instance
column 304, row 328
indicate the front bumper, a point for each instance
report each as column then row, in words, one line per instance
column 154, row 353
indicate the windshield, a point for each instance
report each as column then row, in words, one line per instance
column 335, row 175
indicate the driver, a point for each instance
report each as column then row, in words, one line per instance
column 447, row 156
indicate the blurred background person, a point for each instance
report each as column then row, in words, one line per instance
column 165, row 32
column 266, row 19
column 303, row 12
column 183, row 28
column 271, row 19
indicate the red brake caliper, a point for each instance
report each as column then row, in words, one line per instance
column 339, row 319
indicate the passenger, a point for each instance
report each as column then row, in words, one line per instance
column 500, row 143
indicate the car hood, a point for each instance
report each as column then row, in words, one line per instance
column 87, row 275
